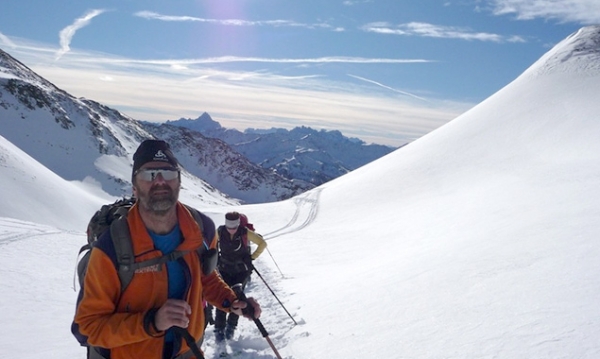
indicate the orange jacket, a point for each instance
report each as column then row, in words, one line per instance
column 120, row 322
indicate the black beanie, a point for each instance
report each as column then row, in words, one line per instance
column 153, row 151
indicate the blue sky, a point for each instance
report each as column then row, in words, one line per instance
column 384, row 71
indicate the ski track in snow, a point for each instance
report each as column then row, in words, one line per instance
column 14, row 230
column 307, row 205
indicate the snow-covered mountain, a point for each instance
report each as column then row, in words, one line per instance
column 301, row 153
column 72, row 137
column 477, row 240
column 216, row 163
column 81, row 139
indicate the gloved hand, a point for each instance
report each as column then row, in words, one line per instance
column 248, row 262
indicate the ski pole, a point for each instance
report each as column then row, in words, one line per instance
column 249, row 310
column 264, row 281
column 276, row 265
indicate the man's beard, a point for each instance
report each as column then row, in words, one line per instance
column 159, row 204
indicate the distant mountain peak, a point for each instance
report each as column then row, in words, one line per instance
column 201, row 124
column 578, row 53
column 302, row 154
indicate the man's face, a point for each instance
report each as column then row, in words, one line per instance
column 156, row 187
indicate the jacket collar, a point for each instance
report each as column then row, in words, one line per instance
column 192, row 236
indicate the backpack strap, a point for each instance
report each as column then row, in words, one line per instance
column 200, row 221
column 208, row 257
column 119, row 232
column 245, row 238
column 126, row 265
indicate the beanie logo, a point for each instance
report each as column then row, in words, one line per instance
column 153, row 150
column 160, row 156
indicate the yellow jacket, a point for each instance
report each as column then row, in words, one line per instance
column 260, row 244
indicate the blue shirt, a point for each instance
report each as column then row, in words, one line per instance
column 167, row 243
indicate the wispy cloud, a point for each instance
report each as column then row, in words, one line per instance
column 356, row 2
column 577, row 11
column 437, row 31
column 6, row 41
column 234, row 22
column 182, row 63
column 159, row 90
column 66, row 34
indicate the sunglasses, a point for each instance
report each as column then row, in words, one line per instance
column 150, row 174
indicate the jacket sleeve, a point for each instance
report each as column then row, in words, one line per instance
column 260, row 243
column 217, row 292
column 96, row 312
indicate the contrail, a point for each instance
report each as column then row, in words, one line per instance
column 389, row 88
column 66, row 34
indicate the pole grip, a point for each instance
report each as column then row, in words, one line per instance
column 249, row 310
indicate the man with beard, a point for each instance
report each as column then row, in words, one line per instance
column 162, row 305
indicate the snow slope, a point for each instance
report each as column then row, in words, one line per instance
column 30, row 191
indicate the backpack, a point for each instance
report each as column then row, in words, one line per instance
column 98, row 224
column 244, row 223
column 102, row 219
column 113, row 217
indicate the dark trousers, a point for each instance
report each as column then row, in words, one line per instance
column 222, row 318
